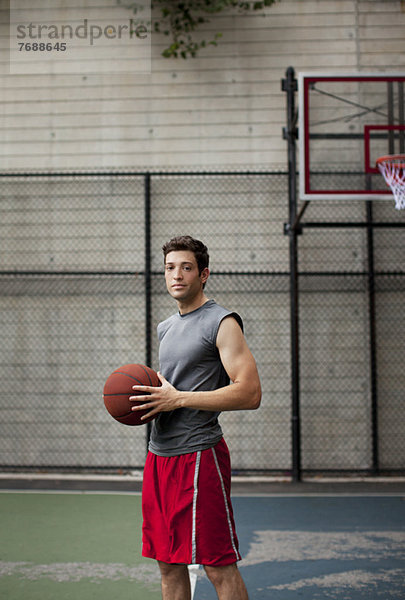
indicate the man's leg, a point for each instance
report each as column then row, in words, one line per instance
column 175, row 582
column 228, row 582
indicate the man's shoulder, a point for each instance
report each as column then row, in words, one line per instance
column 222, row 313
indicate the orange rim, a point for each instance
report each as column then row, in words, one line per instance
column 392, row 159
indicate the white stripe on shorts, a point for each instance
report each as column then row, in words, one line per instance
column 193, row 532
column 226, row 504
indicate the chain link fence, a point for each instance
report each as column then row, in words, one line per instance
column 82, row 291
column 352, row 285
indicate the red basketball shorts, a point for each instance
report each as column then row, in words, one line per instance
column 187, row 510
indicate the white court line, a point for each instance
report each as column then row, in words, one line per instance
column 236, row 495
column 72, row 476
column 138, row 476
column 71, row 492
column 320, row 495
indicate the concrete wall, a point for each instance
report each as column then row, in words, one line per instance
column 223, row 109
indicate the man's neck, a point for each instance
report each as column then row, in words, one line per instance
column 185, row 308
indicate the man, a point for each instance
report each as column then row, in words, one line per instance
column 186, row 503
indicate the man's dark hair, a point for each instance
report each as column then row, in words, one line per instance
column 186, row 242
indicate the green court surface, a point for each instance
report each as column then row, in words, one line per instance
column 71, row 546
column 302, row 545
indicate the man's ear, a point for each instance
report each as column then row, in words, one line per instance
column 205, row 273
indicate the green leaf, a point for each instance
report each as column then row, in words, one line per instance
column 181, row 18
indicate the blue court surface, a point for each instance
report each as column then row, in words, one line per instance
column 340, row 547
column 299, row 541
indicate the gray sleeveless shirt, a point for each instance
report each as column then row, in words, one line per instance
column 189, row 360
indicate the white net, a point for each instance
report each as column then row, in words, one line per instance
column 393, row 170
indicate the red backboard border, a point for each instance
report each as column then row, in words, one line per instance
column 305, row 81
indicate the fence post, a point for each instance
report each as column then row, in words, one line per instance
column 290, row 133
column 148, row 290
column 373, row 336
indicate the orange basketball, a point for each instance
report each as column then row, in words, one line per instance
column 118, row 389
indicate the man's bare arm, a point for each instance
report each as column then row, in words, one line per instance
column 244, row 393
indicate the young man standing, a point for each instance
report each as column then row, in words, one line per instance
column 186, row 502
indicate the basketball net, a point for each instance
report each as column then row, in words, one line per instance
column 393, row 170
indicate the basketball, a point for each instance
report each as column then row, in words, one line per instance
column 118, row 389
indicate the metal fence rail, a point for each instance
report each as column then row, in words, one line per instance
column 82, row 290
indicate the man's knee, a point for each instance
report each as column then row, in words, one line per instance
column 228, row 582
column 219, row 575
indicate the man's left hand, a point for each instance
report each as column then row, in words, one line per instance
column 159, row 399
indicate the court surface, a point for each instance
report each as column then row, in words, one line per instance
column 298, row 542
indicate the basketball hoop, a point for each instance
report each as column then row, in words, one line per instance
column 392, row 168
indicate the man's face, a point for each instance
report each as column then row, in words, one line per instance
column 184, row 282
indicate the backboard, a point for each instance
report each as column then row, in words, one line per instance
column 346, row 122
